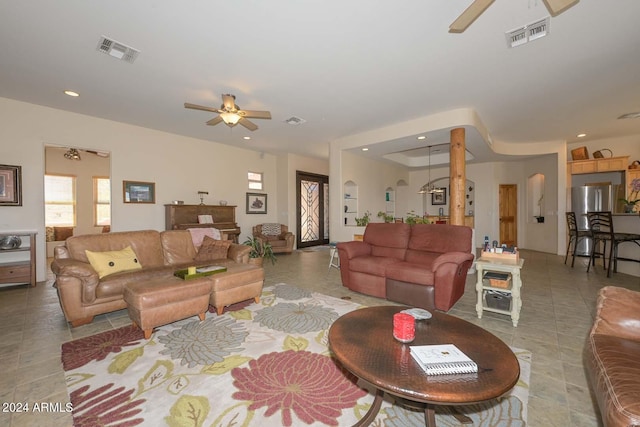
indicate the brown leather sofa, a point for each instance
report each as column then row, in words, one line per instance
column 422, row 265
column 281, row 240
column 84, row 295
column 612, row 356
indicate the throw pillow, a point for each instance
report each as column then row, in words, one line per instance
column 110, row 262
column 212, row 249
column 271, row 229
column 60, row 234
column 50, row 235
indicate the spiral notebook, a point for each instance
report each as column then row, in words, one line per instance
column 442, row 359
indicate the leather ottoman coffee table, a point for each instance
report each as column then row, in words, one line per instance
column 362, row 341
column 156, row 302
column 239, row 283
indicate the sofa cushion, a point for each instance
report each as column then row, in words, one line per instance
column 112, row 286
column 440, row 238
column 212, row 249
column 371, row 264
column 146, row 244
column 388, row 239
column 410, row 272
column 111, row 262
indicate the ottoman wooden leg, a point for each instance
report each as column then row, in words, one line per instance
column 202, row 316
column 219, row 310
column 148, row 333
column 257, row 300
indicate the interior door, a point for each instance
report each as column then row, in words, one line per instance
column 508, row 212
column 312, row 208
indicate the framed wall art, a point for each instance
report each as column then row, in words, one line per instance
column 439, row 197
column 10, row 185
column 256, row 203
column 138, row 192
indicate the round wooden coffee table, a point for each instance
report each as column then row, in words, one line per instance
column 362, row 341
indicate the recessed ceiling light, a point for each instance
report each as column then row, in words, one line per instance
column 71, row 93
column 421, row 137
column 581, row 135
column 365, row 149
column 635, row 115
column 246, row 137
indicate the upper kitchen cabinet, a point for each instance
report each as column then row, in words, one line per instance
column 610, row 164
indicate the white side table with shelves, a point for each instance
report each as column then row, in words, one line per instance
column 510, row 266
column 18, row 266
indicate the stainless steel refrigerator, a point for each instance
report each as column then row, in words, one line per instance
column 589, row 198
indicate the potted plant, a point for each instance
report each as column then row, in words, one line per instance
column 259, row 251
column 385, row 217
column 414, row 218
column 630, row 203
column 364, row 220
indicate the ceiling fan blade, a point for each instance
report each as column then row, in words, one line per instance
column 200, row 107
column 556, row 7
column 470, row 14
column 214, row 121
column 255, row 114
column 246, row 123
column 229, row 102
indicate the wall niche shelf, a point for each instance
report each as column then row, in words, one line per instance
column 350, row 210
column 390, row 202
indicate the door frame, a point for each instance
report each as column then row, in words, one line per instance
column 323, row 179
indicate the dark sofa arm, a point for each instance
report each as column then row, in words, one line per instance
column 450, row 276
column 617, row 313
column 353, row 249
column 456, row 258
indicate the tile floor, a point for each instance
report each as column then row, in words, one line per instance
column 558, row 305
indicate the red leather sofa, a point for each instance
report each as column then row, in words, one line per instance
column 421, row 265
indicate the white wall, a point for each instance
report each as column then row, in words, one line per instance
column 372, row 178
column 288, row 165
column 84, row 170
column 178, row 165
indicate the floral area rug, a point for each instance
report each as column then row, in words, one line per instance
column 264, row 364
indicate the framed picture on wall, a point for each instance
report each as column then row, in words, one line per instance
column 10, row 185
column 138, row 192
column 439, row 197
column 256, row 203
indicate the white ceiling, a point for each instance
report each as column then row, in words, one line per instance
column 346, row 67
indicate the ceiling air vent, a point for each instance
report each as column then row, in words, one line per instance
column 295, row 121
column 117, row 50
column 528, row 33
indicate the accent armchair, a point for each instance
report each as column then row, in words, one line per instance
column 278, row 235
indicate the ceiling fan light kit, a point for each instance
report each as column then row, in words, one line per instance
column 72, row 154
column 475, row 9
column 231, row 114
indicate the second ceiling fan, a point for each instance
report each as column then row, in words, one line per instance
column 476, row 8
column 231, row 114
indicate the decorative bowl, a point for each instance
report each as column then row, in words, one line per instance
column 223, row 203
column 10, row 242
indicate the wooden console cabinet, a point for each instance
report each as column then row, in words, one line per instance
column 18, row 266
column 181, row 217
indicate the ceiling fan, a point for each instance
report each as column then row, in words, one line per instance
column 231, row 114
column 555, row 7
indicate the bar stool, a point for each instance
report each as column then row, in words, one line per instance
column 334, row 261
column 601, row 225
column 575, row 236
